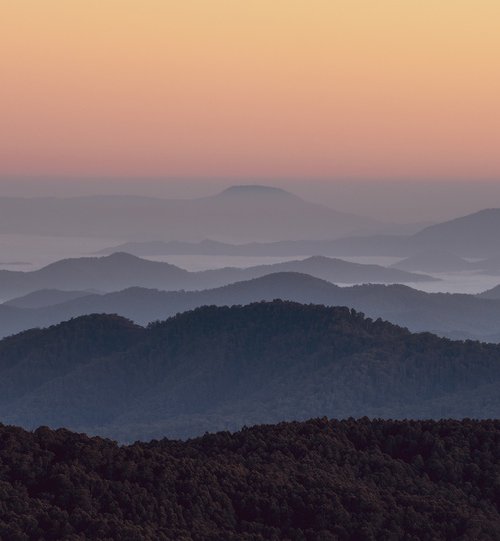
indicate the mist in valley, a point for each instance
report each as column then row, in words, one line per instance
column 44, row 220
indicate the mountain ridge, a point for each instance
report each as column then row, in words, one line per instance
column 120, row 270
column 472, row 235
column 219, row 368
column 320, row 479
column 260, row 216
column 457, row 316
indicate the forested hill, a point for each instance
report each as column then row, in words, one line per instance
column 318, row 480
column 222, row 368
column 456, row 316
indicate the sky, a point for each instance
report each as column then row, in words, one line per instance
column 323, row 89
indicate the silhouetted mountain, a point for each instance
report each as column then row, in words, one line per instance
column 372, row 245
column 332, row 269
column 255, row 190
column 434, row 261
column 38, row 356
column 221, row 368
column 240, row 213
column 317, row 480
column 454, row 315
column 121, row 270
column 45, row 297
column 474, row 235
column 116, row 271
column 493, row 293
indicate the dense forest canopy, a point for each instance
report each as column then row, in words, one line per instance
column 219, row 368
column 318, row 480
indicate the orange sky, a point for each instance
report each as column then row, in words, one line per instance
column 300, row 88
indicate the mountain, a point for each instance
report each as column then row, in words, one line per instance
column 222, row 368
column 121, row 270
column 116, row 271
column 316, row 480
column 453, row 315
column 474, row 236
column 493, row 293
column 434, row 261
column 330, row 269
column 376, row 245
column 238, row 214
column 45, row 297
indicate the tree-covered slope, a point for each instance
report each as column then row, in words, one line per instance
column 221, row 368
column 318, row 480
column 452, row 315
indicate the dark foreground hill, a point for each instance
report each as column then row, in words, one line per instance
column 222, row 368
column 456, row 316
column 319, row 480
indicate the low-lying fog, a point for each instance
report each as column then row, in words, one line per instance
column 458, row 282
column 30, row 252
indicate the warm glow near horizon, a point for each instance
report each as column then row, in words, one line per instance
column 300, row 88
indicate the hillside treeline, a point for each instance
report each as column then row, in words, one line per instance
column 317, row 480
column 219, row 368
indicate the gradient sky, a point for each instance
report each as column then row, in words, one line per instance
column 299, row 88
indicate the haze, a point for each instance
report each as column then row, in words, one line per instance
column 279, row 216
column 418, row 201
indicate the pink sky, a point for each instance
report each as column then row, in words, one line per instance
column 303, row 88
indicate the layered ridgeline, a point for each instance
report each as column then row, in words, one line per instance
column 453, row 315
column 439, row 260
column 238, row 214
column 222, row 368
column 330, row 480
column 471, row 236
column 121, row 270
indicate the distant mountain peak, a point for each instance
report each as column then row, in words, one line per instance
column 481, row 217
column 320, row 258
column 255, row 189
column 473, row 235
column 121, row 256
column 492, row 210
